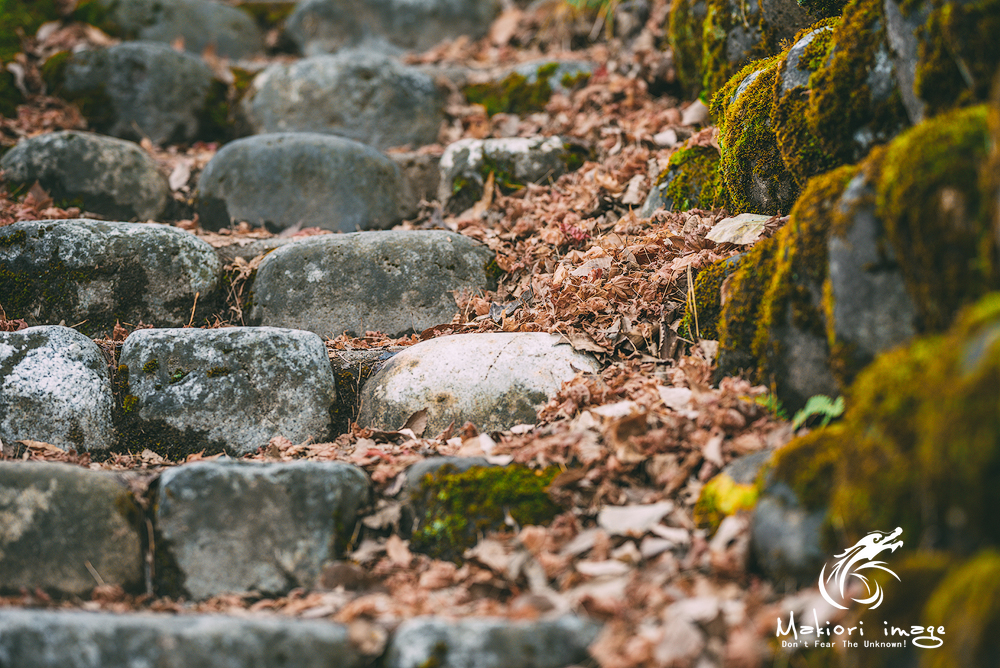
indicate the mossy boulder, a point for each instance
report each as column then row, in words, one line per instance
column 732, row 491
column 871, row 256
column 752, row 167
column 702, row 321
column 453, row 508
column 946, row 52
column 141, row 89
column 692, row 180
column 684, row 35
column 528, row 87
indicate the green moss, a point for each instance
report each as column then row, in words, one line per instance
column 801, row 149
column 96, row 14
column 8, row 240
column 458, row 507
column 967, row 605
column 10, row 95
column 684, row 34
column 935, row 217
column 24, row 17
column 720, row 498
column 822, row 8
column 844, row 113
column 129, row 403
column 958, row 55
column 708, row 303
column 177, row 376
column 151, row 366
column 693, row 180
column 215, row 120
column 94, row 103
column 218, row 371
column 731, row 21
column 513, row 94
column 751, row 164
column 807, row 465
column 780, row 286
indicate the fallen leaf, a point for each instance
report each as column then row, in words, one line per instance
column 398, row 551
column 632, row 520
column 743, row 229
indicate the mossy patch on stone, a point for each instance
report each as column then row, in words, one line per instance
column 684, row 34
column 854, row 101
column 693, row 180
column 958, row 54
column 731, row 38
column 703, row 320
column 935, row 216
column 458, row 507
column 751, row 165
column 514, row 94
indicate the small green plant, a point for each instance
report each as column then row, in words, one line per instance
column 819, row 405
column 772, row 405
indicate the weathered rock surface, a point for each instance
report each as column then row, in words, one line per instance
column 561, row 75
column 58, row 519
column 94, row 273
column 491, row 643
column 107, row 176
column 785, row 537
column 43, row 638
column 231, row 32
column 137, row 89
column 271, row 529
column 299, row 179
column 394, row 281
column 54, row 388
column 493, row 380
column 361, row 95
column 467, row 163
column 227, row 389
column 326, row 26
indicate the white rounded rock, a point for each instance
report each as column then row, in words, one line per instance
column 494, row 380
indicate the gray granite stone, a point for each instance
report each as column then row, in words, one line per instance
column 271, row 528
column 393, row 282
column 54, row 388
column 106, row 176
column 56, row 520
column 229, row 389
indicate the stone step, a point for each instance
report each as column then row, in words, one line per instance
column 42, row 639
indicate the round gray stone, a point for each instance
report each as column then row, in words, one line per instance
column 361, row 95
column 785, row 537
column 393, row 282
column 77, row 639
column 229, row 389
column 58, row 519
column 326, row 26
column 55, row 388
column 241, row 526
column 111, row 177
column 491, row 643
column 494, row 380
column 299, row 179
column 200, row 23
column 94, row 273
column 138, row 89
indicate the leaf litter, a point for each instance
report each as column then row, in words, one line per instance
column 635, row 442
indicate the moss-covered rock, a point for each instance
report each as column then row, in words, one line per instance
column 684, row 34
column 751, row 164
column 692, row 180
column 24, row 17
column 703, row 320
column 454, row 508
column 731, row 38
column 527, row 89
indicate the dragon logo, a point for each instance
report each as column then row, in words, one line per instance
column 858, row 558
